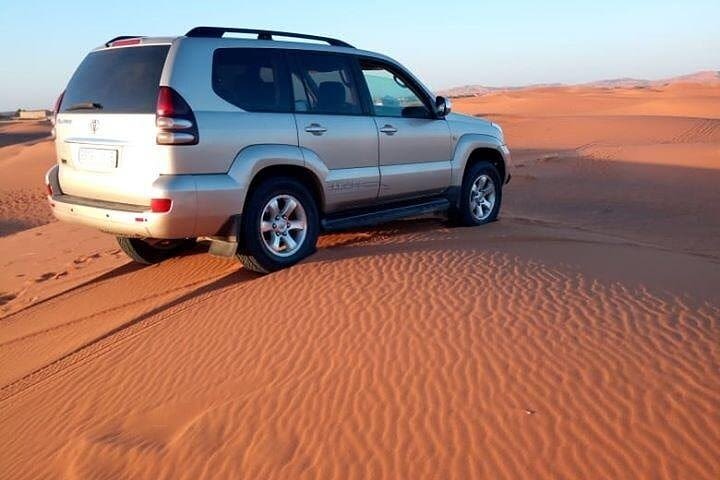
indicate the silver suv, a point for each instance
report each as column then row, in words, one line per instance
column 259, row 145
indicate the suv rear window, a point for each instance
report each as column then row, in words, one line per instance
column 121, row 80
column 253, row 79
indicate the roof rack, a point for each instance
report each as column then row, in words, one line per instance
column 218, row 32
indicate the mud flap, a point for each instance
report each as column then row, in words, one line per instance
column 222, row 248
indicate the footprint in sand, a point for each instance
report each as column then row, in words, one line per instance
column 45, row 277
column 86, row 258
column 6, row 298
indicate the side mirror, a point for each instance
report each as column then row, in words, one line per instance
column 443, row 106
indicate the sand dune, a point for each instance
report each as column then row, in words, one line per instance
column 701, row 101
column 509, row 365
column 25, row 156
column 578, row 337
column 23, row 131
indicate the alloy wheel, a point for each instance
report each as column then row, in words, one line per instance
column 283, row 225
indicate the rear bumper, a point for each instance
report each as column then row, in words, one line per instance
column 202, row 205
column 122, row 220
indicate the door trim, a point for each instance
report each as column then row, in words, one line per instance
column 397, row 180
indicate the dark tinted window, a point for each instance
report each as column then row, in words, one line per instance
column 122, row 80
column 299, row 94
column 323, row 83
column 251, row 78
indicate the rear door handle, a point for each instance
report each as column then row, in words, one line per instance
column 388, row 130
column 316, row 129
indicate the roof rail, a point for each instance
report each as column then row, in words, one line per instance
column 218, row 32
column 121, row 37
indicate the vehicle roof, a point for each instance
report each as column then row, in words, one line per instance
column 213, row 42
column 250, row 43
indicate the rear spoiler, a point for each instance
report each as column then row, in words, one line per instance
column 110, row 42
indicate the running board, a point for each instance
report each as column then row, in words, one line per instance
column 376, row 217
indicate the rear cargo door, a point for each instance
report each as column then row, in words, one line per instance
column 106, row 125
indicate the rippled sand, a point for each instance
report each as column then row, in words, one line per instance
column 578, row 337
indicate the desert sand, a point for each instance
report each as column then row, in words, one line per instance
column 577, row 337
column 25, row 156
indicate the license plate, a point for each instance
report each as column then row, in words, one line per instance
column 97, row 159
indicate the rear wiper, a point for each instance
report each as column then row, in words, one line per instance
column 84, row 106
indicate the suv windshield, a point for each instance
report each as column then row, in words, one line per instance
column 119, row 80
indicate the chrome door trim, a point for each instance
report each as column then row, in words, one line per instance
column 403, row 179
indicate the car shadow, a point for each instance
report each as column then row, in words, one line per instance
column 207, row 291
column 13, row 138
column 386, row 238
column 130, row 268
column 114, row 273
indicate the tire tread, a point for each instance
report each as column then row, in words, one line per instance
column 461, row 215
column 251, row 254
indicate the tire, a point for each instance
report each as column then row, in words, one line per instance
column 480, row 196
column 270, row 242
column 143, row 252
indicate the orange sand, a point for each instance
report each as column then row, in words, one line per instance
column 578, row 337
column 25, row 156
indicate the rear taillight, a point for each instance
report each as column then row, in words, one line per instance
column 174, row 119
column 160, row 205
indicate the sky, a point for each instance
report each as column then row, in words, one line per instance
column 449, row 43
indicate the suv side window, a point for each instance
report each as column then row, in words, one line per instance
column 391, row 94
column 253, row 79
column 324, row 84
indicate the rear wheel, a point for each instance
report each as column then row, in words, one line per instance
column 148, row 252
column 480, row 196
column 280, row 225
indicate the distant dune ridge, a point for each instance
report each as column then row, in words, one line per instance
column 707, row 77
column 576, row 338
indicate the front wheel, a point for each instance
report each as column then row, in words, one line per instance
column 148, row 252
column 480, row 196
column 280, row 225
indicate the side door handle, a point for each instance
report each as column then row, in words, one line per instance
column 388, row 130
column 316, row 129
